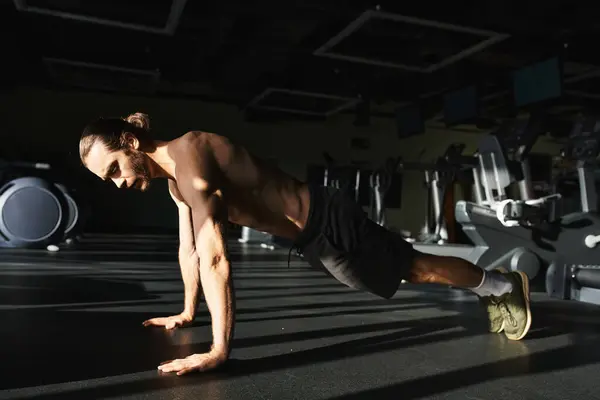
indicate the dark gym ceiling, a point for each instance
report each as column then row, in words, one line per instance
column 259, row 55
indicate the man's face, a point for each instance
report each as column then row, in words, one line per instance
column 128, row 168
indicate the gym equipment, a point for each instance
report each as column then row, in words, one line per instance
column 252, row 236
column 574, row 274
column 380, row 182
column 368, row 188
column 488, row 222
column 74, row 215
column 4, row 165
column 433, row 230
column 566, row 182
column 35, row 212
column 509, row 228
column 518, row 139
column 438, row 179
column 347, row 177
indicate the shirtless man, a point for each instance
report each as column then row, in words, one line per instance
column 213, row 180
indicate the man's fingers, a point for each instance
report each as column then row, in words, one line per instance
column 183, row 366
column 155, row 322
column 168, row 322
column 174, row 365
column 165, row 367
column 187, row 367
column 173, row 323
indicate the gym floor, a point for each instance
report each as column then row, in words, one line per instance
column 71, row 328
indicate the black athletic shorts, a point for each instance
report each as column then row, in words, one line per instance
column 341, row 239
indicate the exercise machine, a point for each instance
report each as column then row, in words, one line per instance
column 380, row 182
column 517, row 141
column 510, row 228
column 434, row 226
column 503, row 231
column 35, row 212
column 252, row 236
column 439, row 179
column 574, row 273
column 344, row 177
column 74, row 222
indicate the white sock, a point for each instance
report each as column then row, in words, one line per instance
column 492, row 284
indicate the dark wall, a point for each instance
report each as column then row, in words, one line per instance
column 45, row 125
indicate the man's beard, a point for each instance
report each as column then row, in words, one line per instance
column 138, row 164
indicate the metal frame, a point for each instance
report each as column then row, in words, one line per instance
column 49, row 62
column 169, row 28
column 492, row 38
column 350, row 102
column 587, row 75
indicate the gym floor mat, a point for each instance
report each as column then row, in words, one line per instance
column 71, row 328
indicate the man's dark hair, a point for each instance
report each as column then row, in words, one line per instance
column 111, row 133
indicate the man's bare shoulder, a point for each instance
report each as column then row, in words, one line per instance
column 193, row 141
column 199, row 142
column 195, row 161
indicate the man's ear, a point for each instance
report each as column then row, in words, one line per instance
column 130, row 141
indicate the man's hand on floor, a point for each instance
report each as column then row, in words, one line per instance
column 175, row 321
column 195, row 362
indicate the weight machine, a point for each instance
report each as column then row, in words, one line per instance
column 502, row 230
column 380, row 182
column 439, row 178
column 574, row 273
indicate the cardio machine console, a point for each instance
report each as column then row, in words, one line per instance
column 584, row 141
column 519, row 135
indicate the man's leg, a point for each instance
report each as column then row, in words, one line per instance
column 505, row 294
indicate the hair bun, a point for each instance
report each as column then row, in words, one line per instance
column 139, row 120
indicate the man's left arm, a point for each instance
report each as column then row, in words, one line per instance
column 209, row 215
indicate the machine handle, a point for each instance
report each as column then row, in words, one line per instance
column 592, row 240
column 501, row 213
column 41, row 166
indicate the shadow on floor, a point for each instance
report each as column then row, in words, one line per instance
column 542, row 362
column 27, row 289
column 408, row 333
column 555, row 317
column 61, row 346
column 47, row 333
column 139, row 255
column 112, row 344
column 93, row 344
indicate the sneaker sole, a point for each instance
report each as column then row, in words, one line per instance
column 525, row 284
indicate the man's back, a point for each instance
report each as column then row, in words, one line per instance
column 258, row 195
